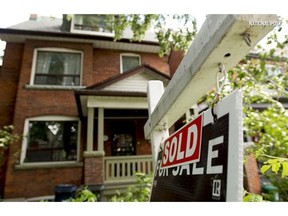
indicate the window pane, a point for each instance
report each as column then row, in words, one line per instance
column 129, row 62
column 52, row 141
column 92, row 22
column 58, row 68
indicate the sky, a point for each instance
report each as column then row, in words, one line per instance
column 15, row 11
column 11, row 15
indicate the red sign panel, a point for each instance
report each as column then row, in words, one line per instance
column 183, row 146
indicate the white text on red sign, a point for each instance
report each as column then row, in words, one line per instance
column 183, row 146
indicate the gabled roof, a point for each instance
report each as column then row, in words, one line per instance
column 140, row 69
column 54, row 24
column 42, row 23
column 118, row 85
column 50, row 28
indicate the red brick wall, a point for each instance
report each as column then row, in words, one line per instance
column 142, row 146
column 31, row 103
column 9, row 76
column 106, row 63
column 252, row 182
column 155, row 61
column 174, row 60
column 93, row 171
column 39, row 182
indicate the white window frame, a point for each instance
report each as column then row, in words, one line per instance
column 48, row 118
column 109, row 34
column 53, row 49
column 129, row 55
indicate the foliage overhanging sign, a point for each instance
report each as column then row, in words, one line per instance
column 203, row 160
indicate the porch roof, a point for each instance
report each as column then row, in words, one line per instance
column 127, row 90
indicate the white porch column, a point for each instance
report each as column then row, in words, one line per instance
column 155, row 90
column 90, row 129
column 100, row 143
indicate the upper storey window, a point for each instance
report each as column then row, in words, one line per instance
column 129, row 61
column 57, row 67
column 91, row 23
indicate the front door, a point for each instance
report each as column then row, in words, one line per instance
column 123, row 138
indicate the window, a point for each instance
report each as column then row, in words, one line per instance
column 57, row 67
column 50, row 140
column 273, row 70
column 91, row 23
column 129, row 61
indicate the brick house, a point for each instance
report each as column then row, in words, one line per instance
column 79, row 99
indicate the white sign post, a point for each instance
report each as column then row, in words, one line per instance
column 222, row 39
column 155, row 91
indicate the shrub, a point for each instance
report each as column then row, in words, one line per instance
column 140, row 192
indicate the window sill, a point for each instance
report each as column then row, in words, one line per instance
column 90, row 32
column 51, row 87
column 51, row 165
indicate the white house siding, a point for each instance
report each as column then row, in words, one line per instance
column 135, row 83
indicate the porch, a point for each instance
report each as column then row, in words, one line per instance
column 119, row 171
column 114, row 112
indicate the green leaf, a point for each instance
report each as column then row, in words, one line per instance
column 284, row 169
column 264, row 168
column 253, row 198
column 276, row 167
column 272, row 161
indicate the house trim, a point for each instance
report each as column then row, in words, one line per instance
column 21, row 35
column 117, row 102
column 94, row 154
column 71, row 35
column 53, row 87
column 48, row 165
column 85, row 94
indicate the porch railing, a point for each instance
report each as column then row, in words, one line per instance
column 122, row 168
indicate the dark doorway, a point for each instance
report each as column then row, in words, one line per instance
column 123, row 137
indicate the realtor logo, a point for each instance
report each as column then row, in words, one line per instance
column 216, row 190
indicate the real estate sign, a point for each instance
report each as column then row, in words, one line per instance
column 203, row 160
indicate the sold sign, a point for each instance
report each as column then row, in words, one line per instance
column 183, row 146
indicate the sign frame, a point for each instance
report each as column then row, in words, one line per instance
column 232, row 105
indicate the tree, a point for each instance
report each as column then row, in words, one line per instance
column 263, row 79
column 140, row 192
column 172, row 31
column 6, row 138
